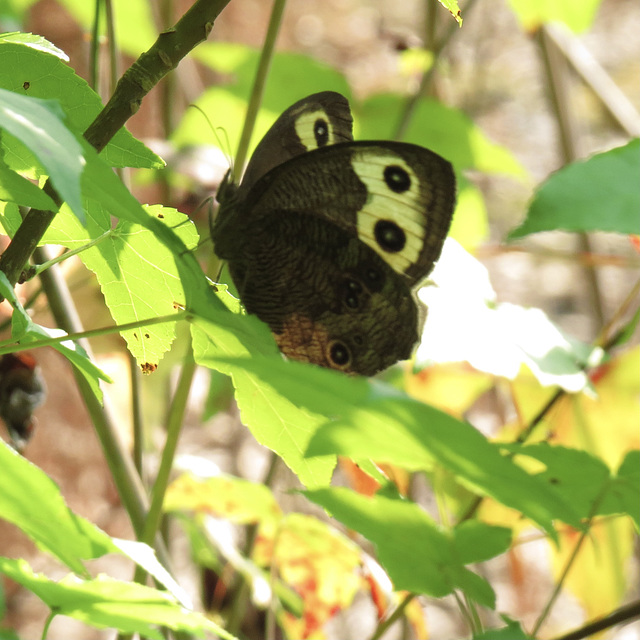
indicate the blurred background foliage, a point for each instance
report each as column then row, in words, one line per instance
column 510, row 97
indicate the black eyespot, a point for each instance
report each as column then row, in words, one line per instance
column 389, row 236
column 373, row 279
column 353, row 289
column 321, row 132
column 339, row 354
column 397, row 178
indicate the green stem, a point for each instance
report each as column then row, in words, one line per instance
column 558, row 82
column 412, row 101
column 174, row 427
column 94, row 333
column 238, row 605
column 387, row 622
column 94, row 47
column 569, row 563
column 47, row 624
column 68, row 254
column 114, row 71
column 136, row 414
column 259, row 83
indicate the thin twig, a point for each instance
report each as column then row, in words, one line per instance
column 397, row 612
column 571, row 149
column 596, row 78
column 259, row 82
column 569, row 564
column 624, row 614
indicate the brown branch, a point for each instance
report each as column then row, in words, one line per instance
column 165, row 54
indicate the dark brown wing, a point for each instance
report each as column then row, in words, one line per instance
column 316, row 121
column 328, row 298
column 398, row 198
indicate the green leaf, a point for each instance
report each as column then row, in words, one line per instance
column 274, row 420
column 15, row 188
column 586, row 481
column 513, row 631
column 50, row 78
column 578, row 15
column 376, row 421
column 476, row 541
column 624, row 496
column 453, row 8
column 30, row 500
column 598, row 194
column 445, row 130
column 39, row 125
column 33, row 40
column 137, row 272
column 108, row 603
column 27, row 332
column 417, row 554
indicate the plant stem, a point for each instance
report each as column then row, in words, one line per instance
column 569, row 563
column 558, row 84
column 596, row 78
column 412, row 101
column 128, row 483
column 174, row 426
column 47, row 624
column 238, row 606
column 397, row 612
column 627, row 613
column 259, row 83
column 137, row 419
column 13, row 347
column 72, row 252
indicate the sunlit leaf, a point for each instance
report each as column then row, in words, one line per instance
column 39, row 125
column 274, row 420
column 31, row 500
column 598, row 194
column 575, row 14
column 47, row 76
column 321, row 565
column 380, row 423
column 108, row 603
column 417, row 554
column 226, row 497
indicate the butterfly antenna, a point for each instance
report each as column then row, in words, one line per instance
column 226, row 147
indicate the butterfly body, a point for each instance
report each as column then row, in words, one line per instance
column 326, row 238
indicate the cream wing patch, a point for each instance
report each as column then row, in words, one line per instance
column 392, row 222
column 314, row 129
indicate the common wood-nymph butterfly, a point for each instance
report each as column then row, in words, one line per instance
column 327, row 238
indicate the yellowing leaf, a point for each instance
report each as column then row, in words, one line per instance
column 322, row 566
column 452, row 387
column 597, row 577
column 235, row 499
